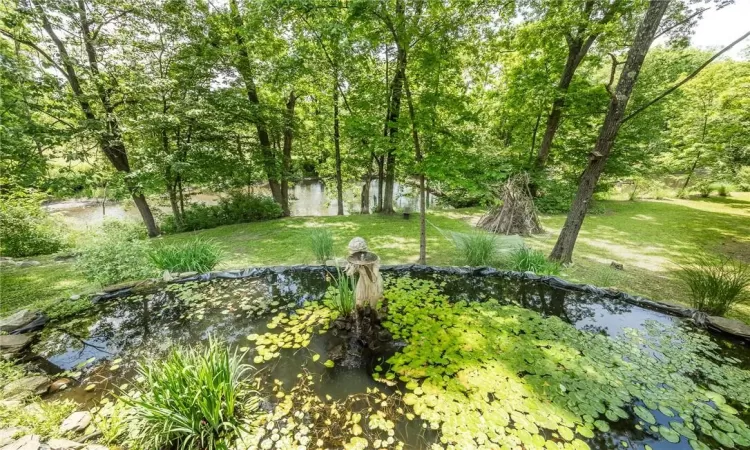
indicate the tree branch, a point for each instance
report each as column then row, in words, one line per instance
column 687, row 19
column 32, row 45
column 688, row 78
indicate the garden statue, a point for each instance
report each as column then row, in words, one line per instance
column 366, row 265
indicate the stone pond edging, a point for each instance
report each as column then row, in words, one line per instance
column 721, row 325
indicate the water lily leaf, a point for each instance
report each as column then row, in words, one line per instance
column 602, row 426
column 329, row 364
column 698, row 445
column 90, row 387
column 565, row 433
column 644, row 414
column 315, row 357
column 722, row 438
column 681, row 428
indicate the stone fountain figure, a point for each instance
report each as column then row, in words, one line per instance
column 362, row 262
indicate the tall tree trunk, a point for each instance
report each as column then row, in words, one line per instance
column 698, row 156
column 110, row 139
column 182, row 197
column 337, row 146
column 563, row 250
column 171, row 183
column 394, row 112
column 286, row 161
column 576, row 52
column 364, row 206
column 533, row 136
column 418, row 157
column 244, row 67
column 381, row 181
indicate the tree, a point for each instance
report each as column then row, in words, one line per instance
column 85, row 24
column 563, row 250
column 582, row 24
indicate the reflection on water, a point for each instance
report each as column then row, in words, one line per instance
column 307, row 198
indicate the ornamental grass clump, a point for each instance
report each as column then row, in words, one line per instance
column 341, row 294
column 525, row 259
column 716, row 285
column 196, row 398
column 321, row 244
column 197, row 255
column 476, row 249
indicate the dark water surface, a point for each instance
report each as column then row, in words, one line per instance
column 149, row 324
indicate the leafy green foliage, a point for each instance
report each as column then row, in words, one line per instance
column 477, row 248
column 195, row 255
column 482, row 372
column 196, row 398
column 704, row 189
column 716, row 285
column 25, row 229
column 43, row 418
column 238, row 207
column 742, row 179
column 525, row 259
column 554, row 196
column 340, row 296
column 722, row 189
column 119, row 252
column 321, row 244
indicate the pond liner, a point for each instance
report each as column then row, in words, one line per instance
column 552, row 281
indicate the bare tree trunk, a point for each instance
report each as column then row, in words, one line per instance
column 533, row 136
column 394, row 111
column 381, row 181
column 243, row 65
column 418, row 157
column 575, row 57
column 563, row 250
column 182, row 197
column 337, row 147
column 698, row 156
column 286, row 161
column 110, row 140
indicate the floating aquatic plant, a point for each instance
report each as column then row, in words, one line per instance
column 487, row 374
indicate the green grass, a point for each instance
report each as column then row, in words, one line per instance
column 39, row 287
column 652, row 239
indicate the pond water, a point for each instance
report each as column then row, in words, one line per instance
column 307, row 198
column 475, row 362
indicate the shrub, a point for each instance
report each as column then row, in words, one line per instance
column 742, row 179
column 119, row 252
column 193, row 399
column 476, row 249
column 716, row 284
column 238, row 207
column 25, row 229
column 341, row 293
column 704, row 189
column 525, row 259
column 722, row 189
column 554, row 196
column 321, row 243
column 195, row 255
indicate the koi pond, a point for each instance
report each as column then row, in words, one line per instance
column 467, row 362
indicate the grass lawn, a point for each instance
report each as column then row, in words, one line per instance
column 651, row 239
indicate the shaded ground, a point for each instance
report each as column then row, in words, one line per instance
column 651, row 239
